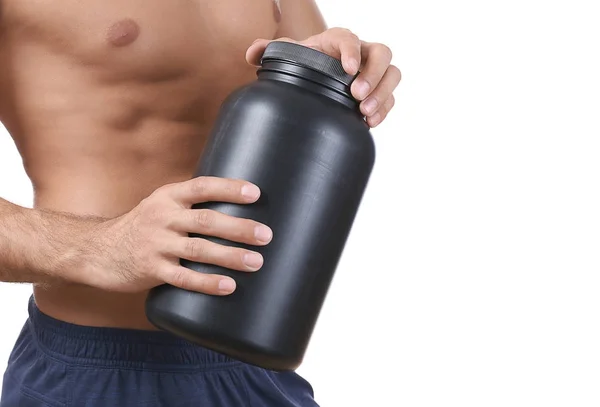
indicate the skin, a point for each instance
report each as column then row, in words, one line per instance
column 110, row 104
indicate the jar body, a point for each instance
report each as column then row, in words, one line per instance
column 312, row 157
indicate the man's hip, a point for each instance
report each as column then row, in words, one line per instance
column 58, row 364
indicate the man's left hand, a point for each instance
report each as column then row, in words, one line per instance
column 377, row 80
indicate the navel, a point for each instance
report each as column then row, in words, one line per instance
column 277, row 10
column 123, row 33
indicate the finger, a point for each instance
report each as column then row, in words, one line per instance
column 381, row 114
column 257, row 49
column 190, row 280
column 382, row 92
column 377, row 60
column 205, row 251
column 340, row 43
column 213, row 189
column 212, row 223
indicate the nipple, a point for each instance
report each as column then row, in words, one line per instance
column 123, row 33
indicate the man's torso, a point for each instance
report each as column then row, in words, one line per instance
column 108, row 100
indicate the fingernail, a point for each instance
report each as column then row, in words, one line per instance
column 370, row 105
column 226, row 285
column 362, row 89
column 250, row 191
column 253, row 260
column 263, row 234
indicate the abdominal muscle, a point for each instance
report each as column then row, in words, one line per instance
column 102, row 190
column 107, row 185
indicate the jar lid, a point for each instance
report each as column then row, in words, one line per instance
column 308, row 58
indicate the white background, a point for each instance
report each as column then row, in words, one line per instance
column 472, row 274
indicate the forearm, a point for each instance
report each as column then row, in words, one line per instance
column 41, row 246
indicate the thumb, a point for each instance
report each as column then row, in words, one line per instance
column 256, row 50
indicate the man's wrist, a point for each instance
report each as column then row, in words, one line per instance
column 68, row 240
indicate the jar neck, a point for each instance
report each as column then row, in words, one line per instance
column 309, row 79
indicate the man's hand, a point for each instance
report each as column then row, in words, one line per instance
column 142, row 248
column 377, row 80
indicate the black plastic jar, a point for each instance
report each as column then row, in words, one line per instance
column 297, row 133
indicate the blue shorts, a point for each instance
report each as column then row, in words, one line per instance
column 56, row 364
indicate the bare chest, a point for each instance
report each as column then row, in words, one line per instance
column 153, row 39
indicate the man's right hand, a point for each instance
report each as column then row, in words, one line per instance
column 142, row 248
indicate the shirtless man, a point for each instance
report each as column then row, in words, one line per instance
column 109, row 103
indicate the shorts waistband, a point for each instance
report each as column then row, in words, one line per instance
column 113, row 347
